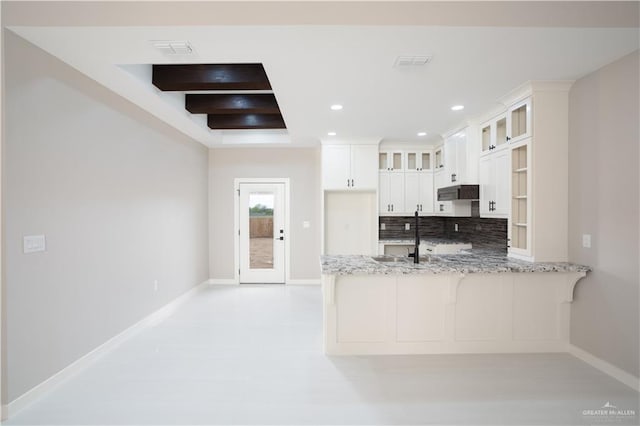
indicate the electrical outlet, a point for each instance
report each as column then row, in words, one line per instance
column 455, row 227
column 407, row 226
column 383, row 226
column 586, row 240
column 33, row 244
column 306, row 224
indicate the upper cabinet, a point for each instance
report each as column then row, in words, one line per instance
column 507, row 128
column 391, row 161
column 519, row 123
column 494, row 185
column 418, row 161
column 349, row 167
column 405, row 180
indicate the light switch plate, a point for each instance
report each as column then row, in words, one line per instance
column 306, row 224
column 407, row 226
column 383, row 226
column 586, row 240
column 33, row 243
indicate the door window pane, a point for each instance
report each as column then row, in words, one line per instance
column 261, row 237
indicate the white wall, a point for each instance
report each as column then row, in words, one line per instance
column 351, row 223
column 302, row 167
column 121, row 198
column 603, row 201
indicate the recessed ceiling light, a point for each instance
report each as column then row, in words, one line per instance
column 331, row 133
column 457, row 108
column 422, row 133
column 336, row 107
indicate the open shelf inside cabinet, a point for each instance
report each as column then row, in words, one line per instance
column 519, row 198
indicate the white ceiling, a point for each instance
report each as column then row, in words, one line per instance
column 313, row 67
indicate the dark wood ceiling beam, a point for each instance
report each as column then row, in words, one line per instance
column 232, row 104
column 245, row 121
column 184, row 77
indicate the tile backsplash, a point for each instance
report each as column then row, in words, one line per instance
column 480, row 232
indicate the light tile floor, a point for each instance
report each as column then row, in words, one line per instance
column 253, row 355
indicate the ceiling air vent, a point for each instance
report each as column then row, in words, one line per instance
column 412, row 61
column 173, row 48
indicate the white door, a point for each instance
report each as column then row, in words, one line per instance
column 262, row 233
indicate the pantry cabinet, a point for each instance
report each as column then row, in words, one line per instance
column 349, row 167
column 536, row 148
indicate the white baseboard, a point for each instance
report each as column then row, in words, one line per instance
column 617, row 373
column 222, row 281
column 34, row 393
column 304, row 282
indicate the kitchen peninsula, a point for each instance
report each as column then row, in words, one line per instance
column 477, row 302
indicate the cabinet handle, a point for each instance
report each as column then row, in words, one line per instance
column 348, row 183
column 391, row 207
column 388, row 207
column 441, row 207
column 420, row 207
column 352, row 184
column 508, row 138
column 454, row 177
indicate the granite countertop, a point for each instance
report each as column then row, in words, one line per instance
column 471, row 261
column 432, row 241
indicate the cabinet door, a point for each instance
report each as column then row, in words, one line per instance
column 426, row 192
column 519, row 121
column 450, row 160
column 501, row 167
column 412, row 191
column 487, row 133
column 364, row 170
column 439, row 181
column 438, row 159
column 494, row 184
column 396, row 192
column 461, row 159
column 384, row 192
column 336, row 165
column 487, row 185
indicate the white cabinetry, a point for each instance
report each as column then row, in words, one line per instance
column 455, row 158
column 390, row 182
column 349, row 167
column 391, row 193
column 494, row 184
column 508, row 127
column 405, row 180
column 523, row 170
column 418, row 189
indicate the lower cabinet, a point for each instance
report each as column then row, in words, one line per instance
column 447, row 313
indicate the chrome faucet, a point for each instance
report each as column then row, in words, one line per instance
column 416, row 250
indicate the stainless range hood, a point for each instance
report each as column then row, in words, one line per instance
column 459, row 192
